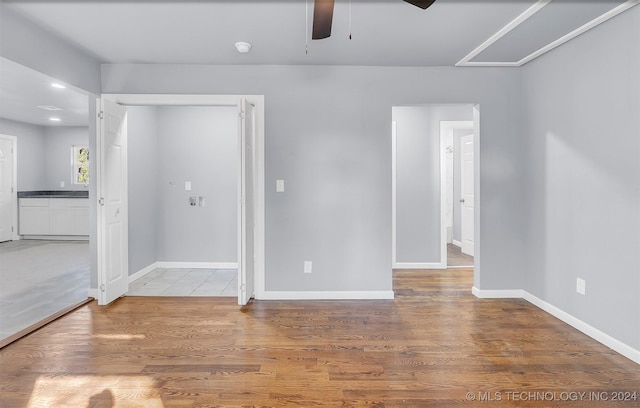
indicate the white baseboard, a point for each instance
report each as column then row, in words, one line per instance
column 456, row 243
column 55, row 237
column 612, row 343
column 143, row 272
column 599, row 336
column 93, row 293
column 326, row 295
column 498, row 294
column 197, row 265
column 419, row 265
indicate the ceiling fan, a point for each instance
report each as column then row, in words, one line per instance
column 323, row 16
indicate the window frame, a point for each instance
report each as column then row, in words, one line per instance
column 76, row 165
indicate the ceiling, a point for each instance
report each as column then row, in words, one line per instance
column 384, row 33
column 23, row 90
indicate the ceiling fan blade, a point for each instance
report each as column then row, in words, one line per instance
column 322, row 19
column 423, row 4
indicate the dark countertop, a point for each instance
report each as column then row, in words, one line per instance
column 53, row 194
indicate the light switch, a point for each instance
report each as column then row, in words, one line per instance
column 187, row 186
column 279, row 186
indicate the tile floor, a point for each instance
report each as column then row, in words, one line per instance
column 186, row 282
column 39, row 278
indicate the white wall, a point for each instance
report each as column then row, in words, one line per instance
column 143, row 164
column 582, row 202
column 32, row 46
column 328, row 135
column 198, row 144
column 31, row 153
column 168, row 146
column 57, row 147
column 44, row 154
column 418, row 179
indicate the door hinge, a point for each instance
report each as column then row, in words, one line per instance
column 101, row 201
column 102, row 288
column 241, row 114
column 101, row 115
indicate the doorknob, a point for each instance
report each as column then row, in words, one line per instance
column 462, row 200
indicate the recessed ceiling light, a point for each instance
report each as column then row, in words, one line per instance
column 50, row 108
column 57, row 85
column 54, row 119
column 243, row 47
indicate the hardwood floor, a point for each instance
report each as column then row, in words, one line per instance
column 456, row 259
column 435, row 345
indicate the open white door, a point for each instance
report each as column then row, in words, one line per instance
column 7, row 188
column 112, row 206
column 467, row 193
column 246, row 222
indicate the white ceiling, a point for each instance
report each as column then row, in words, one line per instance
column 22, row 90
column 385, row 33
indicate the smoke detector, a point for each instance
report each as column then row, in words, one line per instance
column 243, row 47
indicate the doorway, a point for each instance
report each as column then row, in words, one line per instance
column 423, row 231
column 457, row 189
column 112, row 269
column 183, row 208
column 8, row 189
column 44, row 199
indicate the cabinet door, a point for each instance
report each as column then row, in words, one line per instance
column 61, row 221
column 34, row 216
column 81, row 219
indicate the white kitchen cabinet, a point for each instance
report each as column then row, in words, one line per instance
column 34, row 216
column 54, row 216
column 81, row 218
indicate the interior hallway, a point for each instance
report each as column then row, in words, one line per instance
column 455, row 257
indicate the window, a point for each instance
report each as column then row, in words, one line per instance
column 80, row 164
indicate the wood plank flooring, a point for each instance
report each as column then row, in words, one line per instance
column 455, row 257
column 435, row 345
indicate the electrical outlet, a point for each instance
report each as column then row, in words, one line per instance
column 308, row 265
column 279, row 186
column 581, row 286
column 187, row 186
column 62, row 184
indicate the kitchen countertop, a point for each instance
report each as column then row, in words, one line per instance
column 53, row 194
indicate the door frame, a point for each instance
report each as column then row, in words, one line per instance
column 14, row 185
column 259, row 162
column 463, row 204
column 446, row 128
